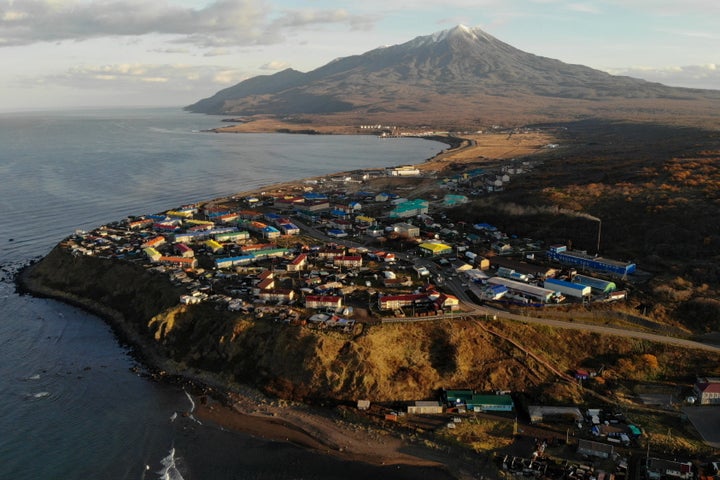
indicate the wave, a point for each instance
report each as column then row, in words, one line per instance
column 169, row 470
column 37, row 395
column 192, row 402
column 192, row 409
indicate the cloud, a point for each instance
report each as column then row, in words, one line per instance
column 275, row 65
column 669, row 7
column 220, row 23
column 216, row 52
column 690, row 76
column 126, row 76
column 584, row 8
column 173, row 50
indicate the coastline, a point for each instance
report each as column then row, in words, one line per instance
column 243, row 409
column 240, row 408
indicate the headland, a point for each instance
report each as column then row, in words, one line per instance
column 225, row 331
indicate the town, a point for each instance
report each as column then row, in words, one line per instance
column 335, row 254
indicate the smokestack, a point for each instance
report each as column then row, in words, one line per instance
column 597, row 251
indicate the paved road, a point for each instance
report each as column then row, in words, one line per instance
column 455, row 286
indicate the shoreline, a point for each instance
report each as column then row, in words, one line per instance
column 243, row 409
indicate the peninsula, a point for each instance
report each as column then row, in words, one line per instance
column 324, row 292
column 539, row 298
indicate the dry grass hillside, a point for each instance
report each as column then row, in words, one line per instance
column 404, row 362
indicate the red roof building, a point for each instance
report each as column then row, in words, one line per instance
column 708, row 391
column 323, row 301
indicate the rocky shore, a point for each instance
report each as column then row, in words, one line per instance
column 230, row 406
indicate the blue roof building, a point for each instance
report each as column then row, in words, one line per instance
column 567, row 288
column 560, row 254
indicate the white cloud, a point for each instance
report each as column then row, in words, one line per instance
column 124, row 76
column 220, row 23
column 584, row 8
column 670, row 7
column 690, row 76
column 275, row 65
column 217, row 52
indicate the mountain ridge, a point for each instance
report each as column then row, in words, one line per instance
column 456, row 71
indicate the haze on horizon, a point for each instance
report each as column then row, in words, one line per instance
column 95, row 53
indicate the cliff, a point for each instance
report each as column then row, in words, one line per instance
column 383, row 363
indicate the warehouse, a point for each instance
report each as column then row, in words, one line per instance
column 490, row 403
column 568, row 288
column 602, row 286
column 531, row 291
column 425, row 407
column 559, row 253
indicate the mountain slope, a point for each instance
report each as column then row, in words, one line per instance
column 453, row 72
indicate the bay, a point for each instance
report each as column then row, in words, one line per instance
column 73, row 406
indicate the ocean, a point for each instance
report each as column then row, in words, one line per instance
column 73, row 403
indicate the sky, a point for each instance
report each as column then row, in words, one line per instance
column 57, row 54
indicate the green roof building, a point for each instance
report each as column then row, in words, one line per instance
column 410, row 208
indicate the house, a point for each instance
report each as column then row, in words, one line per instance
column 404, row 171
column 213, row 246
column 539, row 413
column 152, row 254
column 337, row 233
column 434, row 249
column 410, row 208
column 331, row 252
column 375, row 231
column 323, row 301
column 256, row 247
column 183, row 250
column 276, row 295
column 265, row 284
column 270, row 232
column 707, row 390
column 182, row 262
column 661, row 468
column 141, row 223
column 407, row 230
column 595, row 449
column 232, row 236
column 445, row 301
column 298, row 263
column 393, row 302
column 425, row 407
column 451, row 200
column 228, row 262
column 153, row 242
column 348, row 261
column 289, row 228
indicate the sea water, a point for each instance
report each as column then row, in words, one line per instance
column 72, row 403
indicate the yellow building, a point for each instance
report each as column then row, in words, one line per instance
column 434, row 248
